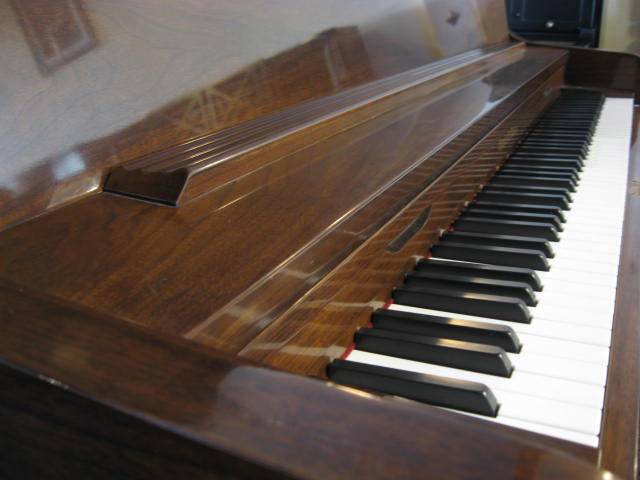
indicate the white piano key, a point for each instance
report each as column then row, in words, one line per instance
column 522, row 383
column 575, row 288
column 532, row 398
column 594, row 279
column 553, row 347
column 547, row 412
column 568, row 369
column 581, row 254
column 549, row 296
column 570, row 435
column 558, row 329
column 572, row 314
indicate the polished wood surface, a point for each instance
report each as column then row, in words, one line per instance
column 614, row 73
column 160, row 73
column 194, row 271
column 247, row 421
column 197, row 206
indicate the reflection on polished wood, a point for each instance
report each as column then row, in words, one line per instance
column 58, row 31
column 184, row 172
column 168, row 72
column 318, row 196
column 194, row 218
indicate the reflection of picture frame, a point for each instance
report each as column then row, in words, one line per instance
column 57, row 31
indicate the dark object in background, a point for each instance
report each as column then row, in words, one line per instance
column 570, row 22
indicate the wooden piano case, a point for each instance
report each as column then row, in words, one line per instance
column 199, row 211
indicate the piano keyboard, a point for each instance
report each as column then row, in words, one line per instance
column 510, row 318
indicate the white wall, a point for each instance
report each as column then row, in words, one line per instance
column 621, row 26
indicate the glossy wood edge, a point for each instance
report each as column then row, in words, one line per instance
column 610, row 72
column 183, row 172
column 48, row 431
column 619, row 439
column 153, row 389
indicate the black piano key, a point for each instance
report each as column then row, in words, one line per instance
column 573, row 124
column 573, row 142
column 498, row 272
column 458, row 301
column 471, row 284
column 492, row 239
column 511, row 257
column 540, row 161
column 581, row 146
column 552, row 149
column 526, row 198
column 444, row 392
column 544, row 162
column 565, row 113
column 522, row 207
column 503, row 178
column 532, row 168
column 563, row 129
column 474, row 357
column 469, row 223
column 543, row 172
column 477, row 211
column 585, row 138
column 564, row 118
column 496, row 187
column 501, row 336
column 545, row 155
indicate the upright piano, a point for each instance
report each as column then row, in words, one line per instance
column 315, row 240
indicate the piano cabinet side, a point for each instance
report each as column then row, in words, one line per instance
column 613, row 73
column 619, row 439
